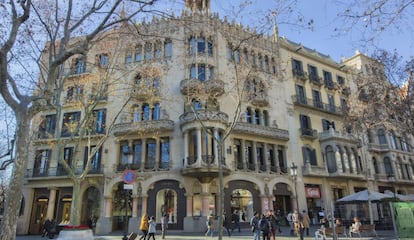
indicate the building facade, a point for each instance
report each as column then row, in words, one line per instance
column 191, row 99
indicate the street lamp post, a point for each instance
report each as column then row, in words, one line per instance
column 294, row 174
column 126, row 214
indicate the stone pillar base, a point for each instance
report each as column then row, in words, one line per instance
column 195, row 224
column 133, row 225
column 103, row 226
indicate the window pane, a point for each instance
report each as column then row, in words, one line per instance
column 168, row 48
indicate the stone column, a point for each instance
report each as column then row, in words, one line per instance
column 108, row 207
column 134, row 206
column 185, row 162
column 215, row 150
column 51, row 204
column 265, row 204
column 256, row 164
column 199, row 154
column 205, row 199
column 144, row 204
column 157, row 153
column 189, row 205
column 243, row 153
column 276, row 153
column 266, row 157
column 143, row 154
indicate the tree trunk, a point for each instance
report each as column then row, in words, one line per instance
column 14, row 198
column 75, row 213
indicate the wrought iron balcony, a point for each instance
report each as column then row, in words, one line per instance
column 58, row 172
column 318, row 105
column 309, row 133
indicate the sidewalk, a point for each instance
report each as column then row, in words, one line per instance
column 244, row 234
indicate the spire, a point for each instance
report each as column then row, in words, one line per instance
column 197, row 6
column 275, row 28
column 122, row 13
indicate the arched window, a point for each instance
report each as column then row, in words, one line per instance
column 330, row 159
column 375, row 164
column 256, row 119
column 156, row 112
column 309, row 156
column 265, row 118
column 393, row 141
column 249, row 115
column 168, row 48
column 146, row 112
column 388, row 167
column 196, row 104
column 381, row 136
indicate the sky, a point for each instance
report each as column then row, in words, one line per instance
column 322, row 36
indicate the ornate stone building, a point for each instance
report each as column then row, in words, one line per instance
column 175, row 92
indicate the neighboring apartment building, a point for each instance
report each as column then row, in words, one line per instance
column 182, row 71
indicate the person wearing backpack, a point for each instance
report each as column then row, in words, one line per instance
column 254, row 223
column 264, row 226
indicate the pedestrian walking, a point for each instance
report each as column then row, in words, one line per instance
column 254, row 223
column 226, row 224
column 264, row 226
column 305, row 222
column 290, row 221
column 164, row 225
column 151, row 228
column 144, row 226
column 235, row 217
column 210, row 226
column 273, row 225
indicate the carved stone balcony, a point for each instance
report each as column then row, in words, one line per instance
column 374, row 147
column 335, row 136
column 259, row 130
column 348, row 175
column 190, row 86
column 310, row 170
column 131, row 128
column 259, row 100
column 205, row 171
column 205, row 115
column 144, row 93
column 214, row 87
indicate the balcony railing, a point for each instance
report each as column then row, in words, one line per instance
column 299, row 74
column 309, row 133
column 378, row 147
column 57, row 171
column 311, row 170
column 260, row 130
column 307, row 102
column 142, row 127
column 163, row 166
column 204, row 115
column 331, row 134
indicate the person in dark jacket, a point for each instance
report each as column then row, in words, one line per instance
column 264, row 227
